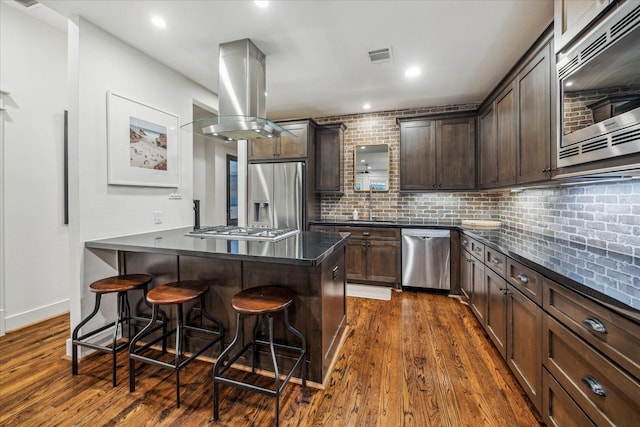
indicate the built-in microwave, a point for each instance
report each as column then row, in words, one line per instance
column 599, row 87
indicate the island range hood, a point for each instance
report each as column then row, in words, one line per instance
column 242, row 96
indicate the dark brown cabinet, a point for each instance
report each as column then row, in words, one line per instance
column 497, row 143
column 524, row 343
column 437, row 153
column 373, row 255
column 285, row 147
column 330, row 158
column 465, row 275
column 517, row 140
column 534, row 131
column 478, row 302
column 572, row 17
column 496, row 323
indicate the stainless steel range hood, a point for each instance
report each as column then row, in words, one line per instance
column 242, row 96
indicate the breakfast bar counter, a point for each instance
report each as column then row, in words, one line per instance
column 311, row 264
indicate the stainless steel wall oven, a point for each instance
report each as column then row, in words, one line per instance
column 599, row 80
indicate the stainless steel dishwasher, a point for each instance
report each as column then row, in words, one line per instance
column 426, row 258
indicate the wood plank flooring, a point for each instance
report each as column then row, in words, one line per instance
column 417, row 360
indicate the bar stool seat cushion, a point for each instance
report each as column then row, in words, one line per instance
column 262, row 300
column 171, row 293
column 122, row 283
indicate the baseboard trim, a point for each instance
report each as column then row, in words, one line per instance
column 35, row 315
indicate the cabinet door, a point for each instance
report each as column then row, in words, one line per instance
column 456, row 154
column 293, row 147
column 506, row 142
column 496, row 325
column 356, row 259
column 383, row 261
column 571, row 17
column 534, row 118
column 524, row 343
column 329, row 158
column 262, row 149
column 465, row 275
column 418, row 155
column 488, row 174
column 478, row 290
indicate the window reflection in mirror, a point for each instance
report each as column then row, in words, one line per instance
column 371, row 167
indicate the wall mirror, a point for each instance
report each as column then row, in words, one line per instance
column 371, row 167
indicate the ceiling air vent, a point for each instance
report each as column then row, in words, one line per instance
column 378, row 56
column 27, row 3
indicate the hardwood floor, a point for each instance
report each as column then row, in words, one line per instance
column 417, row 360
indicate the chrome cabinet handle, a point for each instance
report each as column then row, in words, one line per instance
column 495, row 260
column 366, row 233
column 335, row 272
column 465, row 241
column 504, row 291
column 594, row 385
column 523, row 278
column 477, row 249
column 595, row 325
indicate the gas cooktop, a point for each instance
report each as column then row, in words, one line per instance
column 231, row 232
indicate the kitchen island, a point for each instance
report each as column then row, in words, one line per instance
column 310, row 264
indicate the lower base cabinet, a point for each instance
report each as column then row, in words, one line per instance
column 524, row 343
column 496, row 317
column 558, row 409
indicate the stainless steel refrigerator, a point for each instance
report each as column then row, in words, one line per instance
column 275, row 195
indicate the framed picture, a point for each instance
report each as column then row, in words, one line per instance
column 144, row 144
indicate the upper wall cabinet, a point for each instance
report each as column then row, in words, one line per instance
column 572, row 17
column 535, row 130
column 437, row 153
column 516, row 124
column 330, row 158
column 286, row 147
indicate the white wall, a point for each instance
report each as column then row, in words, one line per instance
column 34, row 249
column 103, row 63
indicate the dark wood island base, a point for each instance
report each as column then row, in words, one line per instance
column 319, row 285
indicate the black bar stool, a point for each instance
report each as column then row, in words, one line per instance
column 176, row 293
column 260, row 301
column 120, row 285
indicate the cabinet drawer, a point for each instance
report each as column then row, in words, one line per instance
column 496, row 260
column 474, row 247
column 605, row 393
column 558, row 409
column 372, row 233
column 610, row 333
column 525, row 279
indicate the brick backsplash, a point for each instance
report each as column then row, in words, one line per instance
column 596, row 227
column 599, row 222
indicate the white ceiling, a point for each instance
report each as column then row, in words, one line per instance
column 317, row 61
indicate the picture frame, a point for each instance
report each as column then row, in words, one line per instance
column 143, row 144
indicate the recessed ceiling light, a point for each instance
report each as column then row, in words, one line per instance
column 412, row 72
column 366, row 106
column 158, row 21
column 262, row 3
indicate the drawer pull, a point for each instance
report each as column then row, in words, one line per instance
column 465, row 241
column 593, row 385
column 595, row 325
column 366, row 233
column 495, row 260
column 335, row 272
column 477, row 250
column 523, row 278
column 504, row 291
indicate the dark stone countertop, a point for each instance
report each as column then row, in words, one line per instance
column 593, row 272
column 304, row 248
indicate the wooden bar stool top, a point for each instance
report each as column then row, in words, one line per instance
column 262, row 300
column 123, row 283
column 177, row 292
